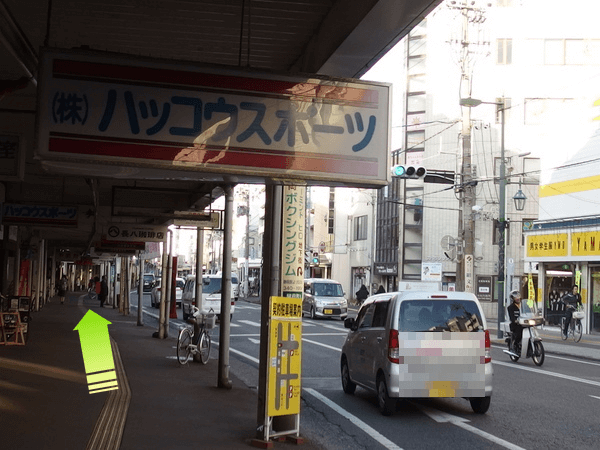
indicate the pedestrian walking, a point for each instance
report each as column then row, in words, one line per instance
column 362, row 294
column 62, row 289
column 103, row 291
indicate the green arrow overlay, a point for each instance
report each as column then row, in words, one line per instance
column 97, row 353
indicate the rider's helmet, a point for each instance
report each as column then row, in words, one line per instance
column 514, row 295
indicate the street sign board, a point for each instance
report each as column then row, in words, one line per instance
column 137, row 112
column 285, row 356
column 201, row 220
column 133, row 232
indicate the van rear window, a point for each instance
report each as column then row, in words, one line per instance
column 440, row 315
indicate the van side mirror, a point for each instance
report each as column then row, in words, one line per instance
column 349, row 322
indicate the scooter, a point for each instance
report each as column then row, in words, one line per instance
column 529, row 320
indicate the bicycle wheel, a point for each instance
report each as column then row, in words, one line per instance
column 183, row 345
column 563, row 336
column 204, row 347
column 577, row 330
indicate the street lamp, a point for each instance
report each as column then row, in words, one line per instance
column 519, row 199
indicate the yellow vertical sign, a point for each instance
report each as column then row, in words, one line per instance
column 531, row 289
column 285, row 346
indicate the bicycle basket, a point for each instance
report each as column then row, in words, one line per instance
column 209, row 321
column 578, row 315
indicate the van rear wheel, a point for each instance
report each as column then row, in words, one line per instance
column 347, row 384
column 385, row 404
column 480, row 405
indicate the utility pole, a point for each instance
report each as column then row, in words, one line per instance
column 465, row 276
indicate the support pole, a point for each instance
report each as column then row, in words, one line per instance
column 269, row 287
column 163, row 294
column 247, row 265
column 140, row 312
column 501, row 228
column 224, row 330
column 199, row 259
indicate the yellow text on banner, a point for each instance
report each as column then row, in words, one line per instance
column 547, row 245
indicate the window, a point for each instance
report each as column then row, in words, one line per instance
column 504, row 51
column 367, row 318
column 415, row 103
column 440, row 315
column 381, row 309
column 564, row 51
column 360, row 228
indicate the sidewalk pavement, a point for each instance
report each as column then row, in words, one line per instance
column 44, row 399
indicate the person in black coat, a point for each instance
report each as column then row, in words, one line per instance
column 103, row 291
column 362, row 294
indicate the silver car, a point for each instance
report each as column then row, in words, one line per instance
column 324, row 298
column 419, row 344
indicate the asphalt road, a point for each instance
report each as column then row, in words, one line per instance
column 554, row 406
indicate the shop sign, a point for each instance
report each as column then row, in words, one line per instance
column 386, row 268
column 292, row 251
column 547, row 245
column 95, row 108
column 431, row 271
column 132, row 232
column 586, row 243
column 484, row 289
column 39, row 215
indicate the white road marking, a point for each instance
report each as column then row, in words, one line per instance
column 355, row 420
column 443, row 417
column 237, row 352
column 595, row 397
column 254, row 341
column 545, row 372
column 249, row 322
column 322, row 345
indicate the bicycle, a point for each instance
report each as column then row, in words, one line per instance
column 575, row 328
column 196, row 343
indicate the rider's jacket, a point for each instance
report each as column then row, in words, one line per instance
column 513, row 312
column 572, row 299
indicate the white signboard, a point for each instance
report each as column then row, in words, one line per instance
column 292, row 246
column 145, row 113
column 202, row 221
column 431, row 271
column 135, row 232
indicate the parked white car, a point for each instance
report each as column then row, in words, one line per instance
column 211, row 295
column 157, row 289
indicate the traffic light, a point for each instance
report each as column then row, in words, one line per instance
column 406, row 171
column 315, row 258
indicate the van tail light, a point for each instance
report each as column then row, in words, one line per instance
column 488, row 345
column 394, row 347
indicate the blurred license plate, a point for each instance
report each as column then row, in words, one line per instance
column 328, row 311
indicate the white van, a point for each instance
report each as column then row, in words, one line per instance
column 419, row 344
column 211, row 295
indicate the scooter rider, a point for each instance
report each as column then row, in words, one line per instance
column 514, row 312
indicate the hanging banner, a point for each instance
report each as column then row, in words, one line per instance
column 292, row 251
column 285, row 356
column 530, row 287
